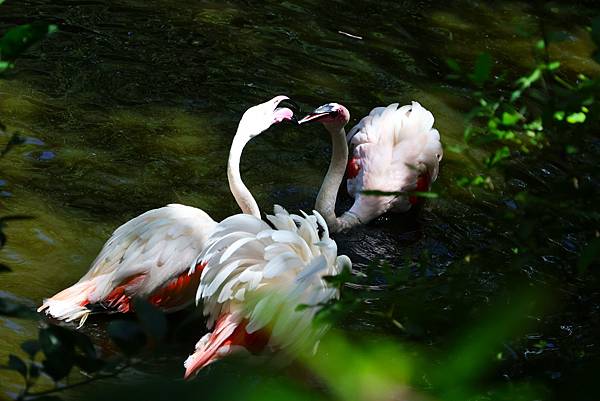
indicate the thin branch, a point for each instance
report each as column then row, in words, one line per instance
column 78, row 384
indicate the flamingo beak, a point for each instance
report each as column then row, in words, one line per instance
column 291, row 105
column 318, row 114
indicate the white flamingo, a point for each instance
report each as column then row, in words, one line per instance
column 394, row 149
column 150, row 255
column 253, row 279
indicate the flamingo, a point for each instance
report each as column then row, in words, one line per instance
column 254, row 276
column 150, row 255
column 394, row 149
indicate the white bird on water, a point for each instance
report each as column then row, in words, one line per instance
column 394, row 149
column 255, row 276
column 150, row 256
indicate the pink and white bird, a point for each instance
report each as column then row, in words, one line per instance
column 150, row 256
column 254, row 276
column 393, row 149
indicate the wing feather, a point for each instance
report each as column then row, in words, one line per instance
column 393, row 147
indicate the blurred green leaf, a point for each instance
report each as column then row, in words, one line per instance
column 58, row 345
column 571, row 150
column 511, row 118
column 453, row 65
column 4, row 65
column 17, row 364
column 498, row 156
column 554, row 65
column 151, row 318
column 479, row 345
column 31, row 347
column 34, row 371
column 14, row 140
column 482, row 70
column 18, row 39
column 540, row 44
column 10, row 307
column 576, row 118
column 127, row 335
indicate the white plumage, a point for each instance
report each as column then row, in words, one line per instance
column 150, row 255
column 393, row 146
column 255, row 276
column 393, row 149
column 151, row 249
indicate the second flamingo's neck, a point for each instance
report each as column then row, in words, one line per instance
column 327, row 196
column 240, row 192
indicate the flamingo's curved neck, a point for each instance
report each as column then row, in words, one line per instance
column 327, row 196
column 240, row 192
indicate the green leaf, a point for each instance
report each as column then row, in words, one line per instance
column 511, row 118
column 34, row 371
column 127, row 335
column 540, row 44
column 571, row 150
column 58, row 367
column 559, row 115
column 576, row 118
column 10, row 307
column 151, row 318
column 31, row 347
column 553, row 65
column 453, row 65
column 17, row 364
column 482, row 70
column 455, row 148
column 498, row 156
column 56, row 340
column 58, row 345
column 5, row 65
column 14, row 140
column 18, row 39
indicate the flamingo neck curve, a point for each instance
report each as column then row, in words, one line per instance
column 240, row 192
column 327, row 197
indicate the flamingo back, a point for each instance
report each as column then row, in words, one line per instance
column 393, row 149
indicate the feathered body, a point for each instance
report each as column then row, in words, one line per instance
column 149, row 257
column 393, row 149
column 253, row 279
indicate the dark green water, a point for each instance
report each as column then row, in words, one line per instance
column 133, row 104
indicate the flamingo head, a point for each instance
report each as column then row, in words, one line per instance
column 262, row 116
column 332, row 115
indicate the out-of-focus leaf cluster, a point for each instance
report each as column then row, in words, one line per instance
column 536, row 112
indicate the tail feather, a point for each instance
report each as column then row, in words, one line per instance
column 229, row 336
column 71, row 303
